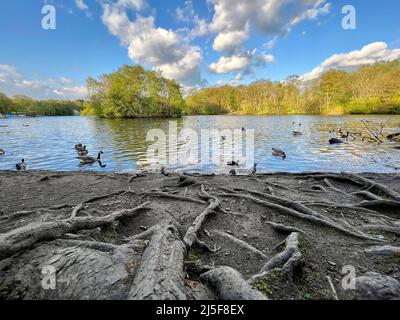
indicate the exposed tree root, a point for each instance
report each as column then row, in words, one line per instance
column 191, row 234
column 25, row 237
column 313, row 219
column 367, row 195
column 375, row 286
column 171, row 196
column 334, row 293
column 241, row 243
column 289, row 259
column 285, row 229
column 229, row 284
column 384, row 228
column 384, row 251
column 376, row 204
column 160, row 274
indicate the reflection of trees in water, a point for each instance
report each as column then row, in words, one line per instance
column 129, row 135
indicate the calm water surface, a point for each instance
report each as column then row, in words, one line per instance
column 48, row 143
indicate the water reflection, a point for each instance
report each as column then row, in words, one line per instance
column 48, row 143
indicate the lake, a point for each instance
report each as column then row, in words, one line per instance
column 47, row 143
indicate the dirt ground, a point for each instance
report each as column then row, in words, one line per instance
column 150, row 236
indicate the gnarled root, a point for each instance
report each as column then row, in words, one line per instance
column 229, row 284
column 290, row 258
column 384, row 251
column 375, row 286
column 160, row 274
column 25, row 237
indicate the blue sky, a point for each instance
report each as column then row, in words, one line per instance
column 198, row 42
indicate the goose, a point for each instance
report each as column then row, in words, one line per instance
column 90, row 160
column 254, row 169
column 78, row 146
column 233, row 163
column 278, row 153
column 21, row 166
column 83, row 151
column 243, row 129
column 335, row 141
column 2, row 152
column 298, row 133
column 232, row 172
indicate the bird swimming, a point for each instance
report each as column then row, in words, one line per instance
column 90, row 160
column 2, row 152
column 232, row 172
column 278, row 153
column 233, row 163
column 21, row 166
column 335, row 141
column 298, row 133
column 254, row 169
column 83, row 151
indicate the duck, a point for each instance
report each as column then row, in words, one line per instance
column 335, row 141
column 233, row 163
column 90, row 160
column 243, row 129
column 232, row 172
column 223, row 138
column 21, row 166
column 278, row 153
column 2, row 152
column 254, row 169
column 78, row 146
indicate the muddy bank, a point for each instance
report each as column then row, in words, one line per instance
column 280, row 236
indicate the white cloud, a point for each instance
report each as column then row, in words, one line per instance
column 153, row 46
column 229, row 41
column 369, row 54
column 270, row 17
column 13, row 83
column 81, row 5
column 230, row 64
column 244, row 63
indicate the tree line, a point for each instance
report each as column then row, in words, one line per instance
column 132, row 92
column 23, row 105
column 371, row 89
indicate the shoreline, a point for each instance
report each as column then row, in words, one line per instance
column 271, row 236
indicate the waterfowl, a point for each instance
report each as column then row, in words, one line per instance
column 278, row 153
column 335, row 141
column 2, row 152
column 21, row 166
column 232, row 172
column 254, row 169
column 223, row 138
column 163, row 172
column 393, row 137
column 83, row 151
column 78, row 147
column 90, row 160
column 298, row 133
column 233, row 163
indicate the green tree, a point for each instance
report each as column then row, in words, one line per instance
column 5, row 104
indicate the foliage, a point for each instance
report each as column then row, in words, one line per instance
column 369, row 89
column 132, row 92
column 27, row 106
column 5, row 104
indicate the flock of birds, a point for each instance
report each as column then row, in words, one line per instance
column 85, row 159
column 82, row 153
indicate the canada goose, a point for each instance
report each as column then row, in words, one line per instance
column 393, row 137
column 163, row 172
column 21, row 166
column 278, row 153
column 90, row 160
column 233, row 163
column 335, row 141
column 232, row 172
column 78, row 146
column 83, row 151
column 2, row 152
column 298, row 133
column 254, row 169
